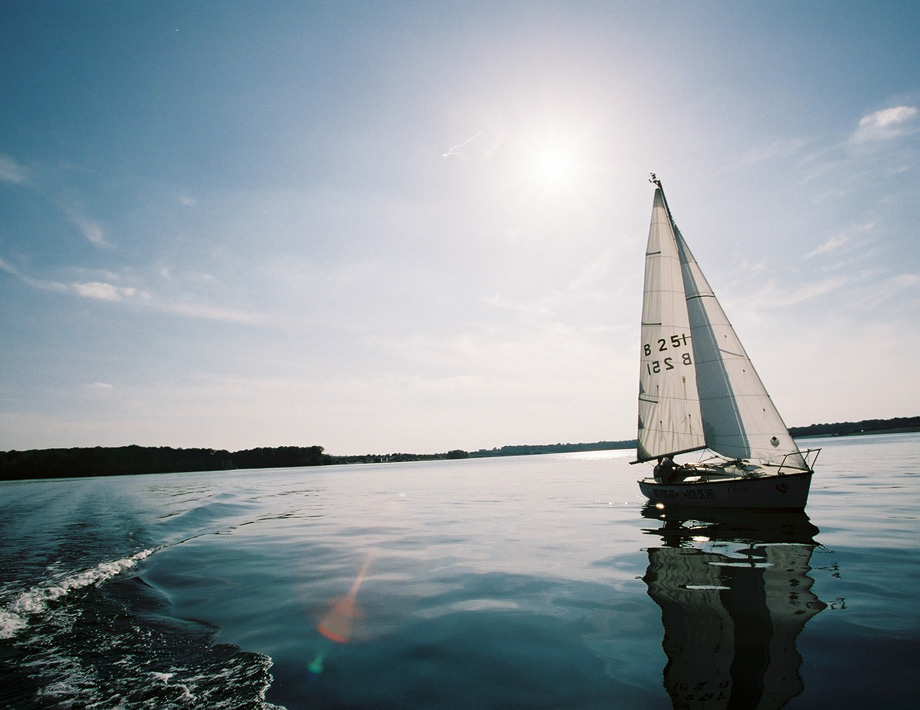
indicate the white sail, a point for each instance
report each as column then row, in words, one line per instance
column 697, row 386
column 739, row 418
column 669, row 409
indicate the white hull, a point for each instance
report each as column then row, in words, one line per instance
column 775, row 491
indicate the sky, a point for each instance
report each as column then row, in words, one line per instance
column 420, row 226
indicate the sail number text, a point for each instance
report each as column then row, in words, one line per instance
column 672, row 359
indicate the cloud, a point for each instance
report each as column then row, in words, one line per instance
column 101, row 291
column 837, row 242
column 888, row 117
column 888, row 288
column 886, row 123
column 35, row 283
column 90, row 229
column 831, row 245
column 207, row 311
column 96, row 290
column 183, row 305
column 11, row 171
column 777, row 295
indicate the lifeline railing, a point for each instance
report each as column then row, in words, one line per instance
column 804, row 454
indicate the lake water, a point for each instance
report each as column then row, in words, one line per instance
column 526, row 582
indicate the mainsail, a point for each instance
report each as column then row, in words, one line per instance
column 697, row 386
column 669, row 407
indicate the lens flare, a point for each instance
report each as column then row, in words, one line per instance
column 316, row 665
column 337, row 623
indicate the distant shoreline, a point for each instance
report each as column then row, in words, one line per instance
column 870, row 432
column 132, row 460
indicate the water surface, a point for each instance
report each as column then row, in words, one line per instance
column 525, row 582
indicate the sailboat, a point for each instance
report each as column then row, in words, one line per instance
column 698, row 391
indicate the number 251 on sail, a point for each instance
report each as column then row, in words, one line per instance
column 676, row 341
column 656, row 366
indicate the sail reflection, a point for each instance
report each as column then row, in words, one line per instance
column 734, row 593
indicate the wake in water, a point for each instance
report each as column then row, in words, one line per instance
column 35, row 600
column 97, row 638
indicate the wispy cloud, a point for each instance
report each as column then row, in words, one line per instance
column 848, row 156
column 831, row 245
column 102, row 291
column 11, row 171
column 95, row 290
column 209, row 311
column 842, row 241
column 777, row 295
column 813, row 290
column 17, row 174
column 182, row 305
column 29, row 281
column 886, row 124
column 89, row 228
column 888, row 288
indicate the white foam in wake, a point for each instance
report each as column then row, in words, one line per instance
column 10, row 624
column 35, row 601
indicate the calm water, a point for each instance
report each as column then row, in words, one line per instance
column 530, row 582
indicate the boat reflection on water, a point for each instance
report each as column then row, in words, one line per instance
column 734, row 593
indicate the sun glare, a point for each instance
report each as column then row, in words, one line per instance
column 552, row 161
column 554, row 167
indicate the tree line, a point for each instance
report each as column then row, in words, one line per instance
column 531, row 449
column 131, row 460
column 866, row 426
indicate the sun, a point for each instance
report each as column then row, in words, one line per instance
column 554, row 166
column 551, row 161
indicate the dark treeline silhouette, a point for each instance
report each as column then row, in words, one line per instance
column 531, row 449
column 281, row 457
column 128, row 460
column 866, row 426
column 109, row 461
column 399, row 457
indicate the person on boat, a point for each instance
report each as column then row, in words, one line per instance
column 664, row 470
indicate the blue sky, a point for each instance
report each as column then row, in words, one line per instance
column 405, row 226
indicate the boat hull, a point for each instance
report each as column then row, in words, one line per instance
column 776, row 492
